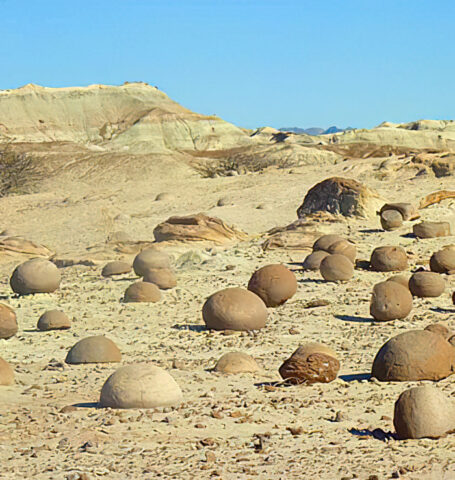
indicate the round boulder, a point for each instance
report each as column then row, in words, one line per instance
column 324, row 242
column 388, row 259
column 234, row 309
column 336, row 268
column 414, row 355
column 163, row 278
column 311, row 363
column 391, row 220
column 150, row 258
column 115, row 268
column 407, row 210
column 8, row 322
column 142, row 292
column 274, row 284
column 140, row 386
column 343, row 247
column 54, row 320
column 35, row 276
column 441, row 329
column 97, row 349
column 443, row 261
column 6, row 373
column 401, row 279
column 427, row 284
column 431, row 229
column 236, row 362
column 423, row 412
column 314, row 259
column 390, row 301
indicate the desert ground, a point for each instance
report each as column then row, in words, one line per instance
column 240, row 426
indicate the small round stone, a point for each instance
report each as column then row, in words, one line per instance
column 142, row 292
column 35, row 276
column 314, row 259
column 54, row 320
column 116, row 268
column 336, row 268
column 443, row 261
column 236, row 362
column 97, row 349
column 163, row 278
column 391, row 220
column 8, row 321
column 148, row 259
column 390, row 301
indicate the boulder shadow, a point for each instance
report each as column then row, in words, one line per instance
column 87, row 405
column 351, row 318
column 355, row 377
column 193, row 328
column 408, row 235
column 377, row 433
column 311, row 280
column 442, row 310
column 371, row 230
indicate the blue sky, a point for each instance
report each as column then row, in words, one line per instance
column 271, row 62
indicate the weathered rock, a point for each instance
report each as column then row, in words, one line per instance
column 165, row 197
column 116, row 268
column 274, row 284
column 197, row 228
column 388, row 259
column 406, row 210
column 20, row 245
column 234, row 309
column 427, row 284
column 150, row 258
column 325, row 242
column 401, row 279
column 391, row 220
column 336, row 268
column 8, row 321
column 54, row 320
column 97, row 349
column 311, row 363
column 443, row 261
column 390, row 301
column 140, row 386
column 342, row 196
column 414, row 355
column 6, row 373
column 440, row 329
column 343, row 247
column 35, row 276
column 142, row 292
column 314, row 259
column 163, row 278
column 423, row 412
column 236, row 362
column 431, row 229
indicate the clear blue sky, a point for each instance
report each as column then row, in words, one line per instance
column 271, row 62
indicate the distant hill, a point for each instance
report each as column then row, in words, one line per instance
column 314, row 130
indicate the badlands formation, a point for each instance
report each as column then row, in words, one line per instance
column 215, row 302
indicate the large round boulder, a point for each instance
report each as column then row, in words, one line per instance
column 344, row 247
column 8, row 322
column 234, row 309
column 236, row 362
column 427, row 284
column 336, row 268
column 443, row 261
column 325, row 242
column 6, row 373
column 414, row 355
column 314, row 259
column 140, row 386
column 142, row 292
column 274, row 284
column 150, row 258
column 390, row 301
column 391, row 220
column 54, row 320
column 35, row 276
column 97, row 349
column 388, row 259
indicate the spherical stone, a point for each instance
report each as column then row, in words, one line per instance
column 324, row 242
column 35, row 276
column 388, row 259
column 140, row 386
column 8, row 322
column 401, row 279
column 163, row 278
column 391, row 220
column 6, row 373
column 427, row 284
column 236, row 362
column 97, row 349
column 142, row 292
column 234, row 309
column 274, row 284
column 431, row 229
column 344, row 247
column 150, row 258
column 407, row 210
column 423, row 412
column 414, row 355
column 443, row 261
column 336, row 268
column 314, row 259
column 311, row 363
column 440, row 329
column 390, row 301
column 115, row 268
column 54, row 320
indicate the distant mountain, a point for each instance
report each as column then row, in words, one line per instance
column 314, row 130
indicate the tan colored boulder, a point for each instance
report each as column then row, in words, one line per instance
column 343, row 196
column 443, row 261
column 97, row 349
column 163, row 278
column 140, row 386
column 344, row 247
column 414, row 355
column 388, row 259
column 236, row 362
column 423, row 412
column 234, row 309
column 406, row 210
column 440, row 329
column 427, row 284
column 336, row 268
column 431, row 229
column 116, row 268
column 20, row 245
column 401, row 279
column 35, row 276
column 197, row 228
column 324, row 242
column 274, row 284
column 8, row 321
column 54, row 320
column 391, row 220
column 150, row 258
column 314, row 259
column 390, row 301
column 6, row 373
column 311, row 363
column 142, row 292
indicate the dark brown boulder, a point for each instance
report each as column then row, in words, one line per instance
column 97, row 349
column 388, row 259
column 390, row 301
column 427, row 284
column 431, row 229
column 116, row 268
column 8, row 322
column 35, row 276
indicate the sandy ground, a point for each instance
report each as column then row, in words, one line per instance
column 229, row 427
